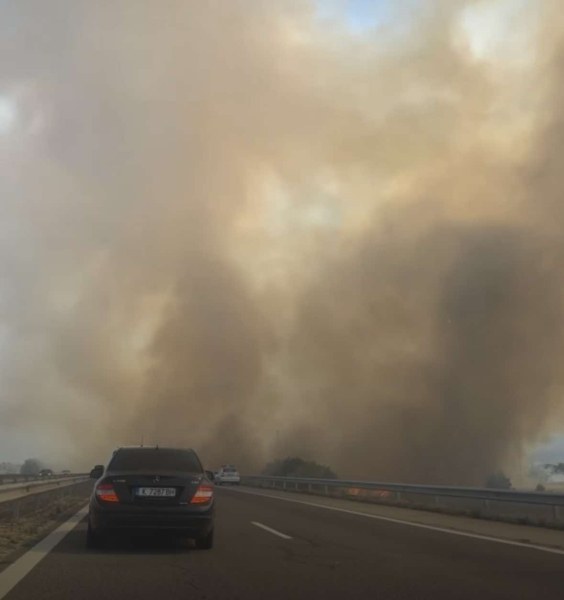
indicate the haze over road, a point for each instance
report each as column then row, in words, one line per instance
column 278, row 548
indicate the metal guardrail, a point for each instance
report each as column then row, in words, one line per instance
column 297, row 483
column 13, row 509
column 17, row 477
column 31, row 487
column 544, row 508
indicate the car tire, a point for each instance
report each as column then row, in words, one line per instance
column 94, row 539
column 205, row 542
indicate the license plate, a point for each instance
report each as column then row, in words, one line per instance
column 157, row 492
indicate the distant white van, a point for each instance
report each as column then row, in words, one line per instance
column 228, row 474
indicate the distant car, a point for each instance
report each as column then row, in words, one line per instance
column 228, row 474
column 65, row 472
column 152, row 489
column 45, row 473
column 97, row 472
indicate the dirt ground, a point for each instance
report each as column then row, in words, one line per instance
column 23, row 533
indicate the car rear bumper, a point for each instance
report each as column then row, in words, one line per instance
column 131, row 520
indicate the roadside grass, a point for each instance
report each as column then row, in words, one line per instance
column 19, row 535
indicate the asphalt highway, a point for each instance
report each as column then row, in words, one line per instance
column 269, row 548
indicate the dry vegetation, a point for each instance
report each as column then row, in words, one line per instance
column 27, row 530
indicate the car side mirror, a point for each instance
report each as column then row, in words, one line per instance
column 97, row 472
column 210, row 475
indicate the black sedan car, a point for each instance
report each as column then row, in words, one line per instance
column 152, row 489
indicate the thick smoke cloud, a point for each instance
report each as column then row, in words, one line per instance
column 439, row 382
column 240, row 226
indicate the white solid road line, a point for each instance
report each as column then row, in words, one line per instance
column 282, row 535
column 477, row 536
column 17, row 571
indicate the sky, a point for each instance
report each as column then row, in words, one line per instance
column 358, row 16
column 551, row 451
column 326, row 228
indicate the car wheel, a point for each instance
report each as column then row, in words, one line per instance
column 94, row 539
column 205, row 542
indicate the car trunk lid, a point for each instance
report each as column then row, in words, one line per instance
column 154, row 489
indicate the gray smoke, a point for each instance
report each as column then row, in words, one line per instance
column 238, row 226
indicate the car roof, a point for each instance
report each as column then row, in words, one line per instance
column 168, row 448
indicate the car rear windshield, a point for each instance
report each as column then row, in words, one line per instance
column 230, row 470
column 155, row 459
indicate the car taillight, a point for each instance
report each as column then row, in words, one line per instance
column 203, row 494
column 106, row 493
